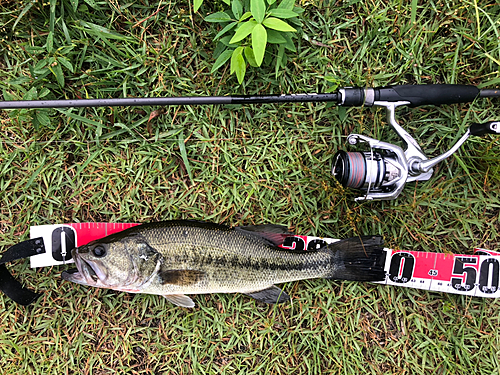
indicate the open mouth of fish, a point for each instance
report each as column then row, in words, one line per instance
column 84, row 273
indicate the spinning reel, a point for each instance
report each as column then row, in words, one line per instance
column 382, row 172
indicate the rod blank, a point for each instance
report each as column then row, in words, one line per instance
column 168, row 101
column 489, row 93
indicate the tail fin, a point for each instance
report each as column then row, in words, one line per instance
column 358, row 259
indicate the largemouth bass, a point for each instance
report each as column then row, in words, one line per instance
column 175, row 258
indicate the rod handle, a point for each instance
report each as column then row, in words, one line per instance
column 419, row 95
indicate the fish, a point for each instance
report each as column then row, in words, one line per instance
column 182, row 257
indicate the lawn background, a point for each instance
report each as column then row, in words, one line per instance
column 238, row 165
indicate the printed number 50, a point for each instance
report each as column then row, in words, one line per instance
column 459, row 268
column 488, row 275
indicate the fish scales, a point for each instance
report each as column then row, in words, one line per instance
column 233, row 261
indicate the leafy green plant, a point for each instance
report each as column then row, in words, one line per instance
column 48, row 65
column 254, row 32
column 38, row 117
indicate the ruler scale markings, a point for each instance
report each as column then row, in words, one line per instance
column 434, row 272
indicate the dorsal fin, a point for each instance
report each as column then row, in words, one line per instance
column 275, row 234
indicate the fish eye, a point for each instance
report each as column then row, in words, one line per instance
column 99, row 251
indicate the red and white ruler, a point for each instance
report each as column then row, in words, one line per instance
column 473, row 275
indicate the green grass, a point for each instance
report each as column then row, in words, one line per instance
column 244, row 165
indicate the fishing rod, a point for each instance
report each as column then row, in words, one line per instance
column 415, row 95
column 381, row 172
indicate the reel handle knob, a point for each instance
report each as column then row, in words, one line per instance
column 491, row 127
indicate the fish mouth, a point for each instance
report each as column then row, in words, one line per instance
column 84, row 273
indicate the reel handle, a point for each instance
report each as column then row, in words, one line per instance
column 491, row 127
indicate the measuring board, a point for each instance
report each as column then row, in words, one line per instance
column 472, row 275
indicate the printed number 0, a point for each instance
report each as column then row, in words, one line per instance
column 63, row 241
column 488, row 281
column 401, row 268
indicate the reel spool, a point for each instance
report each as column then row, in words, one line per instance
column 381, row 172
column 370, row 171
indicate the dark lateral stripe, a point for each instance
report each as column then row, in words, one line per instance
column 236, row 262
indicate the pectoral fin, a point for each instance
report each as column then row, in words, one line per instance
column 271, row 295
column 180, row 300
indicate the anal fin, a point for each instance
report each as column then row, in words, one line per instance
column 270, row 295
column 180, row 300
